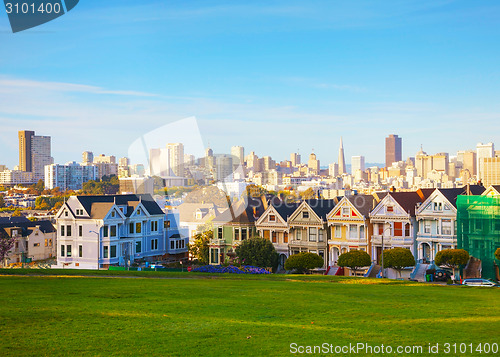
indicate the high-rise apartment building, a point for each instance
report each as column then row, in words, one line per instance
column 313, row 164
column 295, row 159
column 34, row 153
column 224, row 168
column 176, row 152
column 25, row 163
column 357, row 163
column 87, row 157
column 70, row 176
column 483, row 151
column 491, row 171
column 393, row 149
column 239, row 153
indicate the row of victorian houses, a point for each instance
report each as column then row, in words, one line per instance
column 423, row 222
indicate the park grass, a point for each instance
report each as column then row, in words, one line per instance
column 181, row 314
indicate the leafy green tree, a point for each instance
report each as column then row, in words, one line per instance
column 199, row 249
column 354, row 260
column 17, row 213
column 255, row 190
column 2, row 202
column 398, row 259
column 452, row 258
column 497, row 253
column 258, row 252
column 6, row 244
column 308, row 194
column 40, row 186
column 303, row 262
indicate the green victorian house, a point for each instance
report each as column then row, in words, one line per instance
column 235, row 225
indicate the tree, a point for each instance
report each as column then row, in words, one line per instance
column 199, row 249
column 398, row 259
column 308, row 194
column 303, row 262
column 258, row 252
column 452, row 258
column 6, row 244
column 2, row 202
column 354, row 259
column 17, row 213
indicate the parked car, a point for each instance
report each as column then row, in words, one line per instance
column 479, row 282
column 442, row 275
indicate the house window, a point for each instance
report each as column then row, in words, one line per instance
column 139, row 212
column 236, row 234
column 167, row 224
column 62, row 231
column 62, row 250
column 275, row 238
column 312, row 234
column 361, row 232
column 320, row 235
column 68, row 250
column 138, row 246
column 446, row 226
column 337, row 231
column 176, row 244
column 46, row 242
column 80, row 231
column 345, row 212
column 138, row 227
column 380, row 229
column 353, row 231
column 131, row 228
column 113, row 251
column 112, row 231
column 50, row 242
column 105, row 231
column 272, row 218
column 427, row 227
column 113, row 214
column 36, row 244
column 285, row 237
column 407, row 229
column 390, row 209
column 298, row 234
column 66, row 213
column 321, row 253
column 80, row 251
column 219, row 232
column 154, row 244
column 266, row 234
column 172, row 244
column 68, row 231
column 305, row 214
column 244, row 234
column 398, row 229
column 154, row 226
column 105, row 251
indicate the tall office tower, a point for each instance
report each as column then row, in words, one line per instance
column 333, row 170
column 123, row 161
column 357, row 163
column 87, row 157
column 238, row 152
column 40, row 156
column 267, row 163
column 224, row 168
column 313, row 164
column 253, row 162
column 176, row 158
column 393, row 149
column 209, row 159
column 491, row 171
column 295, row 159
column 440, row 162
column 25, row 163
column 342, row 167
column 483, row 151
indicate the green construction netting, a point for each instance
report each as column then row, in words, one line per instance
column 478, row 229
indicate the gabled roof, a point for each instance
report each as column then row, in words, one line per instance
column 284, row 209
column 247, row 210
column 7, row 223
column 407, row 200
column 322, row 207
column 363, row 203
column 187, row 211
column 99, row 206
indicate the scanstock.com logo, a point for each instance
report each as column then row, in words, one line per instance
column 25, row 14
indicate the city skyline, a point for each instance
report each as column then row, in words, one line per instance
column 306, row 75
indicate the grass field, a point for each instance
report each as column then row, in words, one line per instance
column 191, row 315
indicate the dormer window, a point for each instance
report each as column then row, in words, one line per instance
column 390, row 209
column 79, row 212
column 66, row 213
column 305, row 214
column 272, row 218
column 113, row 214
column 345, row 212
column 139, row 212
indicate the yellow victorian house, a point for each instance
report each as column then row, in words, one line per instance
column 350, row 227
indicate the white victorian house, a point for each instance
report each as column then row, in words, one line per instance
column 99, row 231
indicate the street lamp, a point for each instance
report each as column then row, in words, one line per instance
column 98, row 248
column 383, row 249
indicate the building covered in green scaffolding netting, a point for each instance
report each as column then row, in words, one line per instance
column 478, row 230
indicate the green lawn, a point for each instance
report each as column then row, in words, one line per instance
column 236, row 315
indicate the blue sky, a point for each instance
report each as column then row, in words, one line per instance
column 273, row 76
